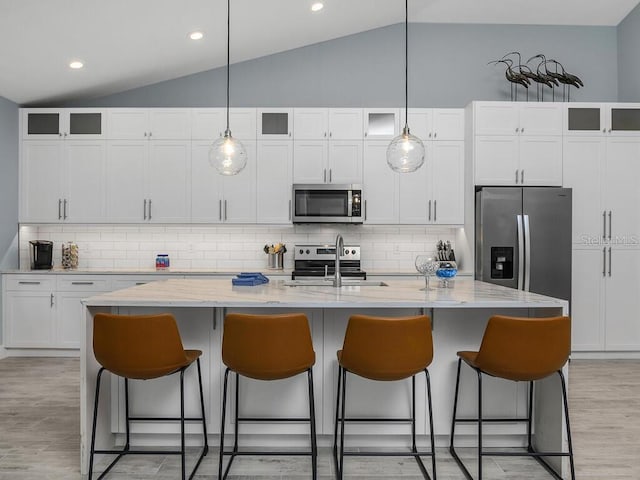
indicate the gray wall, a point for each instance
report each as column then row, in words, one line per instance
column 447, row 64
column 8, row 183
column 628, row 65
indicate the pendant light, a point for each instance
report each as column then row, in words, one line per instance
column 227, row 154
column 405, row 153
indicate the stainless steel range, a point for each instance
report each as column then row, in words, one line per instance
column 320, row 260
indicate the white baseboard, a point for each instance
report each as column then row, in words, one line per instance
column 632, row 355
column 39, row 352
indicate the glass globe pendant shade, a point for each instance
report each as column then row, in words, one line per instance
column 405, row 153
column 227, row 155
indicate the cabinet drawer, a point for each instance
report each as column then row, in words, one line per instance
column 29, row 282
column 82, row 283
column 125, row 282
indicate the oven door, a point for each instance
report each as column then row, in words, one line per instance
column 324, row 204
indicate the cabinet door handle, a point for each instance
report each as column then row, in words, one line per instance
column 324, row 176
column 430, row 134
column 609, row 130
column 365, row 210
column 225, row 210
column 604, row 130
column 149, row 209
column 150, row 134
column 141, row 283
column 609, row 261
column 144, row 209
column 604, row 225
column 429, row 210
column 517, row 129
column 604, row 262
column 610, row 215
column 522, row 176
column 330, row 134
column 435, row 210
column 330, row 175
column 52, row 299
column 435, row 134
column 516, row 176
column 81, row 283
column 64, row 209
column 366, row 134
column 145, row 134
column 59, row 209
column 28, row 283
column 220, row 210
column 289, row 210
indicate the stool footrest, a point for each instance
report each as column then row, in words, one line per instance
column 372, row 419
column 388, row 454
column 490, row 420
column 164, row 419
column 273, row 419
column 267, row 453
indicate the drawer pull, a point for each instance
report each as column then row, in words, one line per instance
column 81, row 283
column 29, row 283
column 141, row 283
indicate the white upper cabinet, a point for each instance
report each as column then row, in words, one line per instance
column 435, row 124
column 150, row 124
column 62, row 181
column 274, row 123
column 380, row 193
column 274, row 179
column 610, row 119
column 328, row 145
column 219, row 198
column 69, row 123
column 381, row 123
column 311, row 123
column 513, row 118
column 517, row 143
column 211, row 123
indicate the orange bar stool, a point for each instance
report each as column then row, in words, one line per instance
column 266, row 347
column 143, row 347
column 522, row 350
column 384, row 349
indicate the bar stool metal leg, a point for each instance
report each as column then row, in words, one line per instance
column 222, row 424
column 312, row 422
column 431, row 432
column 335, row 429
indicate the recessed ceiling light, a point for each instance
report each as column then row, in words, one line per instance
column 196, row 35
column 317, row 6
column 76, row 64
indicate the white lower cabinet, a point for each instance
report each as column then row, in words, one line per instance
column 29, row 311
column 604, row 297
column 44, row 311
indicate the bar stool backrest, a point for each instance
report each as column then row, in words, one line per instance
column 524, row 349
column 383, row 348
column 267, row 347
column 138, row 346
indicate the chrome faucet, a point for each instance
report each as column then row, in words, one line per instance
column 337, row 279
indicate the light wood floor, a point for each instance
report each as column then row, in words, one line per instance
column 39, row 432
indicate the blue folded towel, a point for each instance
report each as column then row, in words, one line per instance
column 249, row 279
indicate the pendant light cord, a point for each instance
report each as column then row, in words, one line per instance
column 406, row 63
column 228, row 37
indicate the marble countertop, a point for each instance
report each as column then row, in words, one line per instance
column 465, row 293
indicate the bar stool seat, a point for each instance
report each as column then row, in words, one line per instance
column 266, row 347
column 521, row 350
column 384, row 349
column 143, row 347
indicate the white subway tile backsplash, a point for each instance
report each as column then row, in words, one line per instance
column 224, row 247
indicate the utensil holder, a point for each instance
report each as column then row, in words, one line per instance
column 275, row 261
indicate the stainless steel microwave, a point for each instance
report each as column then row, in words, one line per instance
column 327, row 203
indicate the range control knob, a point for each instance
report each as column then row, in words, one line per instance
column 301, row 251
column 353, row 252
column 346, row 251
column 308, row 252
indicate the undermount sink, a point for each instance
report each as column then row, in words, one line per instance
column 351, row 282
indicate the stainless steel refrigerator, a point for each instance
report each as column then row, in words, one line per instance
column 523, row 238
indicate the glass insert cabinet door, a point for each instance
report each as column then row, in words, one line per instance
column 607, row 119
column 381, row 124
column 63, row 123
column 276, row 123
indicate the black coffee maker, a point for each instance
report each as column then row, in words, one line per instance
column 41, row 254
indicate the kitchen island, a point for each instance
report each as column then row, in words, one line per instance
column 459, row 316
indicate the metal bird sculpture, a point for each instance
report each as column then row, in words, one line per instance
column 567, row 79
column 548, row 79
column 515, row 78
column 530, row 74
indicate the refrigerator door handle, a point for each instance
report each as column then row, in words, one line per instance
column 527, row 253
column 604, row 225
column 609, row 224
column 520, row 252
column 604, row 262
